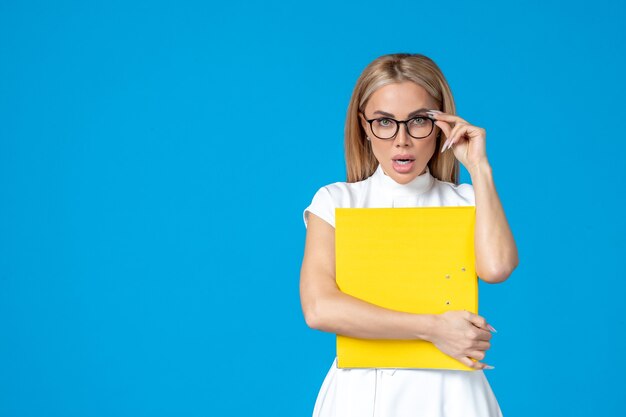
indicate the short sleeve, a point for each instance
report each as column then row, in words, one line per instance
column 322, row 206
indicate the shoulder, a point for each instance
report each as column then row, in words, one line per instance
column 332, row 196
column 343, row 193
column 453, row 194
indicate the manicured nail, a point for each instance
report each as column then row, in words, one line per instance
column 491, row 328
column 443, row 148
column 489, row 367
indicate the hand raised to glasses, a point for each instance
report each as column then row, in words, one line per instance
column 466, row 141
column 463, row 335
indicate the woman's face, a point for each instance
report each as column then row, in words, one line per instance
column 401, row 101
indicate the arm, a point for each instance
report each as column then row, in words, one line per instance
column 496, row 252
column 459, row 334
column 328, row 309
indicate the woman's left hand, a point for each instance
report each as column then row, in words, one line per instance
column 467, row 141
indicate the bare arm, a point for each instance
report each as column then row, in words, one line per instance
column 460, row 334
column 496, row 252
column 328, row 309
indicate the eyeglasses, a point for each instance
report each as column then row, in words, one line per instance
column 386, row 128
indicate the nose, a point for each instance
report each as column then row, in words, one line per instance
column 402, row 137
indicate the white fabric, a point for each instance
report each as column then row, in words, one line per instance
column 399, row 392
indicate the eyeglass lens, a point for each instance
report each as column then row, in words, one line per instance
column 419, row 127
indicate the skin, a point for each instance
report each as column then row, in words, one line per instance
column 462, row 335
column 400, row 99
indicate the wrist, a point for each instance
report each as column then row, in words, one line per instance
column 429, row 326
column 481, row 168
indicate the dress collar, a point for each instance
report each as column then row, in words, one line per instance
column 418, row 185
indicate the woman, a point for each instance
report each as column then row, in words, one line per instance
column 403, row 144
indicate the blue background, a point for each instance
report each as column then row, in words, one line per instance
column 156, row 157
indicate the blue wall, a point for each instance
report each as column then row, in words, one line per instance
column 155, row 159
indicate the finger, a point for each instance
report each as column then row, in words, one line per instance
column 483, row 335
column 476, row 333
column 482, row 345
column 457, row 132
column 451, row 134
column 445, row 127
column 445, row 116
column 478, row 355
column 471, row 363
column 454, row 137
column 478, row 321
column 468, row 132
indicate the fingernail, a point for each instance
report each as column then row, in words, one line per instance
column 489, row 367
column 491, row 328
column 443, row 148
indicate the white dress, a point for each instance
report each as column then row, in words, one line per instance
column 399, row 392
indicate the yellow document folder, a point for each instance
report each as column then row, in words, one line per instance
column 414, row 259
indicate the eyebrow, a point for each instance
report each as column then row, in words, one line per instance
column 412, row 114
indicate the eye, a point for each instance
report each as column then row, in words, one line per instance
column 384, row 122
column 418, row 121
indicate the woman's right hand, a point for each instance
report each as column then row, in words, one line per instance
column 462, row 335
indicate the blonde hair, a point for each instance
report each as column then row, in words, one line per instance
column 388, row 69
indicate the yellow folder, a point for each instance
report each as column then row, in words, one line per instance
column 411, row 259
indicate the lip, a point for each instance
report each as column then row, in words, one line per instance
column 404, row 156
column 403, row 168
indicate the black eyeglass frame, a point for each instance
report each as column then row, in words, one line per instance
column 398, row 123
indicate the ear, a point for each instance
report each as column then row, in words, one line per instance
column 363, row 121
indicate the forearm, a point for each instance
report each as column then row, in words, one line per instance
column 343, row 314
column 495, row 249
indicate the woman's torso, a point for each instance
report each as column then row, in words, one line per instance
column 399, row 392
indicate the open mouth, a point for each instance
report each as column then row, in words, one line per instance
column 403, row 165
column 403, row 161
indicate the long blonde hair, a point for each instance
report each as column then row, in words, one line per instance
column 388, row 69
